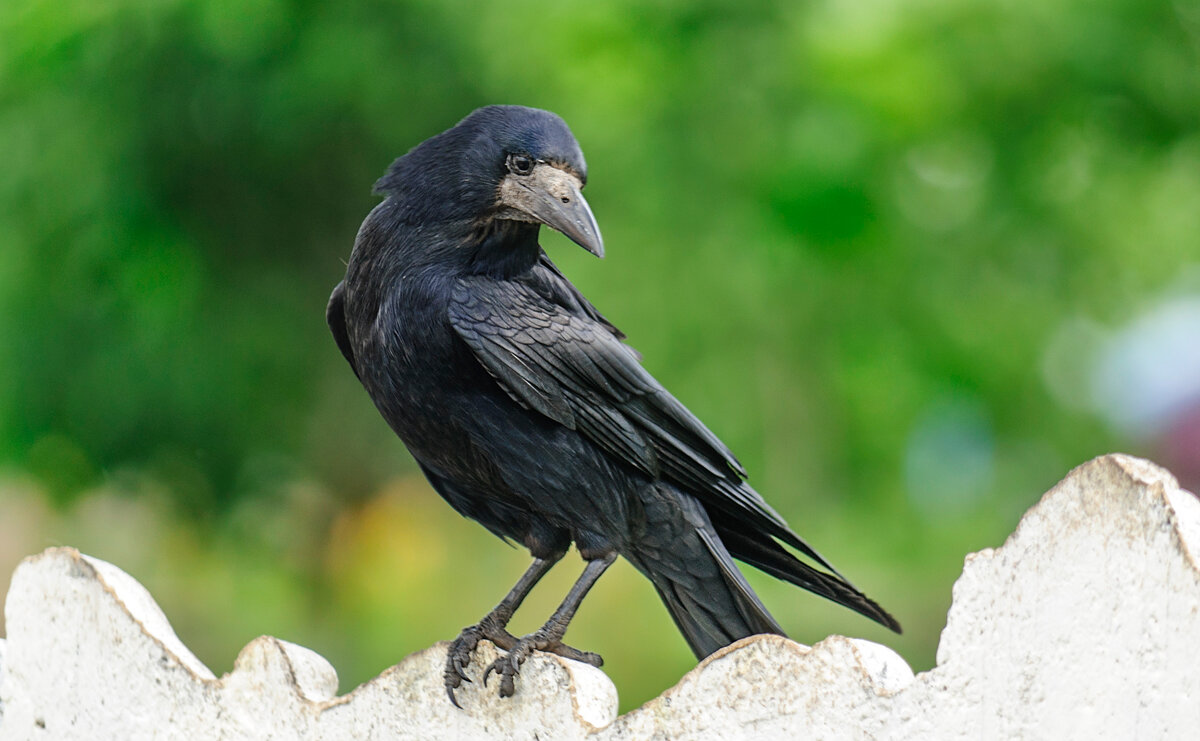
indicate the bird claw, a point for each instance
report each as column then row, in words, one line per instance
column 458, row 658
column 507, row 667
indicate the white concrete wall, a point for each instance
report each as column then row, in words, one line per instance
column 1085, row 624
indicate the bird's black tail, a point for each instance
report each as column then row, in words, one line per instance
column 690, row 561
column 707, row 596
column 764, row 553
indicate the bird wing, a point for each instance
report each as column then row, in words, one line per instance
column 567, row 364
column 335, row 316
column 551, row 283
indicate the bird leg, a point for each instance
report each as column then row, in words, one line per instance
column 549, row 637
column 492, row 626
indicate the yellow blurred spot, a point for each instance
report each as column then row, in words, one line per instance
column 390, row 546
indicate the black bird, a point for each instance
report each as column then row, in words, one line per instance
column 526, row 410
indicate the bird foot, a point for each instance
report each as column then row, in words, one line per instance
column 507, row 667
column 458, row 658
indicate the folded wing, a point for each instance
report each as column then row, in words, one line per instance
column 570, row 365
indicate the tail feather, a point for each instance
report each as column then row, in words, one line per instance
column 690, row 561
column 709, row 599
column 766, row 554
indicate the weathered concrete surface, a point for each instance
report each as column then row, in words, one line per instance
column 91, row 657
column 1084, row 624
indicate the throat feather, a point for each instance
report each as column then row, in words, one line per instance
column 504, row 248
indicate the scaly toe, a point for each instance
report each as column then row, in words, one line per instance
column 507, row 668
column 458, row 658
column 574, row 654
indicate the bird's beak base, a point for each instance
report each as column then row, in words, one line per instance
column 552, row 197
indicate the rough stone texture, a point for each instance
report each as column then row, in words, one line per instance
column 1084, row 624
column 91, row 657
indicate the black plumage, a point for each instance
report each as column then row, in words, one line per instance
column 526, row 410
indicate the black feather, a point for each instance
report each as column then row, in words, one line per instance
column 522, row 403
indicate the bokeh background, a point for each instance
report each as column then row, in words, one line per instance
column 913, row 261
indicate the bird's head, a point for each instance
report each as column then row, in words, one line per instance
column 500, row 164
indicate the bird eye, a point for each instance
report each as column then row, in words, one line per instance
column 521, row 164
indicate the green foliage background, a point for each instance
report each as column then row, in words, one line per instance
column 843, row 233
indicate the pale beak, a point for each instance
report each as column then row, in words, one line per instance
column 552, row 197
